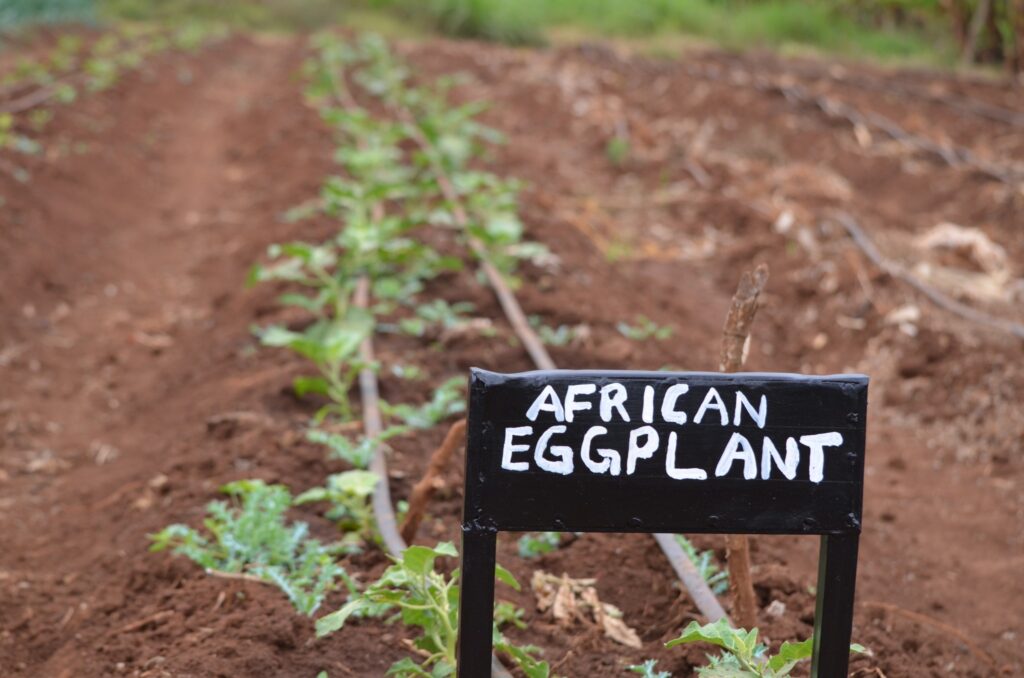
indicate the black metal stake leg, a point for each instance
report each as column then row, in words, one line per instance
column 833, row 614
column 476, row 607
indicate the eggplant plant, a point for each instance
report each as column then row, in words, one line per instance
column 412, row 591
column 743, row 656
column 251, row 537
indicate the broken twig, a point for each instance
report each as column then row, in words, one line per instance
column 735, row 345
column 421, row 493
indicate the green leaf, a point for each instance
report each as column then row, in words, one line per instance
column 332, row 622
column 648, row 670
column 359, row 483
column 718, row 633
column 420, row 559
column 277, row 335
column 446, row 548
column 306, row 385
column 725, row 671
column 310, row 495
column 312, row 304
column 406, row 667
column 505, row 577
column 791, row 653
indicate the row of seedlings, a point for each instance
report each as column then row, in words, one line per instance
column 469, row 202
column 368, row 278
column 77, row 64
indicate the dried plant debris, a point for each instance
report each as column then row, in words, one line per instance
column 575, row 601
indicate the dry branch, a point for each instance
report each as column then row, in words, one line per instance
column 421, row 493
column 861, row 239
column 735, row 342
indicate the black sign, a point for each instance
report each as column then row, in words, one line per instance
column 665, row 452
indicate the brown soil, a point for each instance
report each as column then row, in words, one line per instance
column 125, row 329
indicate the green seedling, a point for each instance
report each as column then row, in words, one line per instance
column 409, row 372
column 349, row 495
column 453, row 136
column 644, row 329
column 437, row 313
column 743, row 656
column 648, row 670
column 535, row 544
column 413, row 592
column 447, row 400
column 358, row 452
column 38, row 84
column 617, row 150
column 562, row 335
column 251, row 536
column 506, row 613
column 716, row 578
column 332, row 344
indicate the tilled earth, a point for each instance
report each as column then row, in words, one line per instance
column 131, row 387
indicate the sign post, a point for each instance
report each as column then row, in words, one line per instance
column 615, row 451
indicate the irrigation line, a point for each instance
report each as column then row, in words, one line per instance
column 701, row 594
column 38, row 96
column 871, row 83
column 373, row 426
column 506, row 297
column 861, row 239
column 954, row 156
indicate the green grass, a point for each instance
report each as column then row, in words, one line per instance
column 244, row 14
column 17, row 13
column 860, row 29
column 824, row 25
column 263, row 15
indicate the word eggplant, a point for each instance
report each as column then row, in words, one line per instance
column 645, row 442
column 609, row 429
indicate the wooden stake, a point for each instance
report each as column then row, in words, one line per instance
column 421, row 493
column 735, row 342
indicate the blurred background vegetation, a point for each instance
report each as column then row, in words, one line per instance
column 937, row 32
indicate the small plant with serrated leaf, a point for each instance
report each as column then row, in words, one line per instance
column 437, row 313
column 716, row 578
column 447, row 399
column 332, row 345
column 561, row 335
column 414, row 592
column 648, row 669
column 349, row 495
column 743, row 656
column 643, row 328
column 535, row 544
column 250, row 536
